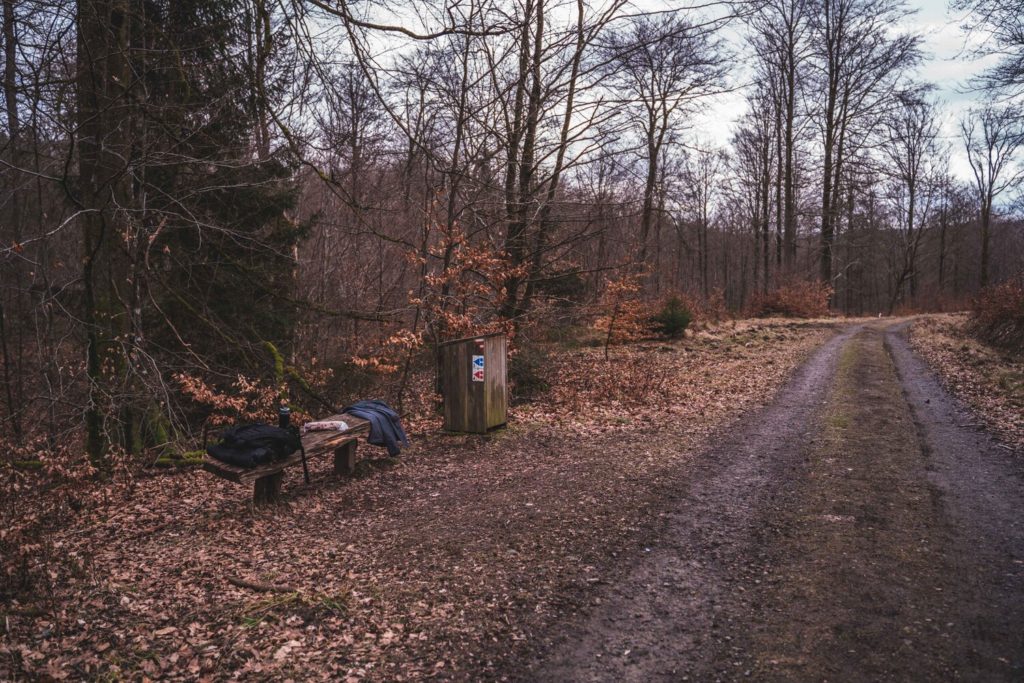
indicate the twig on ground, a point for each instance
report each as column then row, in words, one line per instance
column 261, row 587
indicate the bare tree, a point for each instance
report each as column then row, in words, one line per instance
column 13, row 214
column 954, row 207
column 1003, row 22
column 858, row 63
column 703, row 173
column 780, row 41
column 752, row 145
column 104, row 148
column 661, row 67
column 992, row 137
column 910, row 149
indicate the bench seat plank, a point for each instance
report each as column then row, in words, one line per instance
column 315, row 443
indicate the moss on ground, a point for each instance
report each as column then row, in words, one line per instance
column 183, row 459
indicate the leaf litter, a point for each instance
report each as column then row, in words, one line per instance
column 987, row 379
column 440, row 566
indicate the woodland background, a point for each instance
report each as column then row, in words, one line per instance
column 210, row 205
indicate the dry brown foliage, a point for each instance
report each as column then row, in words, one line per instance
column 710, row 310
column 794, row 299
column 439, row 564
column 462, row 298
column 622, row 315
column 986, row 378
column 998, row 316
column 246, row 400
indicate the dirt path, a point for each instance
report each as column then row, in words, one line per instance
column 858, row 528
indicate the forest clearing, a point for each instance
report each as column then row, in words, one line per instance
column 462, row 557
column 514, row 340
column 466, row 540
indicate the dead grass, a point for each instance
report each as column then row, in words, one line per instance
column 989, row 380
column 440, row 566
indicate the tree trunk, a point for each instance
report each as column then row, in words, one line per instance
column 779, row 164
column 544, row 222
column 104, row 148
column 765, row 216
column 10, row 85
column 515, row 240
column 942, row 251
column 986, row 218
column 789, row 230
column 827, row 236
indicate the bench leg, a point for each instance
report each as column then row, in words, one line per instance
column 345, row 458
column 267, row 489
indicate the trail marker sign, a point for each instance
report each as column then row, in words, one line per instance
column 472, row 377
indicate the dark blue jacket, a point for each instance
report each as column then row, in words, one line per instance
column 385, row 426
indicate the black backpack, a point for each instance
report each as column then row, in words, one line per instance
column 257, row 444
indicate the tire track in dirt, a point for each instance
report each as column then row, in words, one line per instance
column 981, row 487
column 674, row 612
column 849, row 531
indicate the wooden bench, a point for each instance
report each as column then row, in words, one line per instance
column 267, row 479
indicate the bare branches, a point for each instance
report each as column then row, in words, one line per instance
column 452, row 27
column 993, row 136
column 1001, row 25
column 180, row 184
column 858, row 64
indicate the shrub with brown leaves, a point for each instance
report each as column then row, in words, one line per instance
column 247, row 400
column 622, row 317
column 794, row 299
column 710, row 309
column 998, row 315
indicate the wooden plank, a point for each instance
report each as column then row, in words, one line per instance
column 345, row 458
column 467, row 339
column 320, row 442
column 477, row 410
column 267, row 489
column 247, row 475
column 495, row 383
column 454, row 375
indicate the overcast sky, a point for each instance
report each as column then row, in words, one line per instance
column 946, row 66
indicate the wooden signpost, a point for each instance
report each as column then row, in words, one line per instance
column 473, row 383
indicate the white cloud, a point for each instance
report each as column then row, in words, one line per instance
column 947, row 64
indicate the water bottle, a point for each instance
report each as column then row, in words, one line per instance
column 284, row 417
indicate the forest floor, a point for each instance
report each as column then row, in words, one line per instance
column 444, row 562
column 990, row 381
column 706, row 486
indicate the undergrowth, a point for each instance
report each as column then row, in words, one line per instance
column 796, row 299
column 997, row 317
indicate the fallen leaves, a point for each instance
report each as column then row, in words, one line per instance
column 990, row 381
column 446, row 565
column 282, row 652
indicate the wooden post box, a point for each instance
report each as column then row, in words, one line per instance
column 473, row 383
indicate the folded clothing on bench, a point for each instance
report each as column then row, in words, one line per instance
column 254, row 445
column 385, row 426
column 325, row 426
column 240, row 457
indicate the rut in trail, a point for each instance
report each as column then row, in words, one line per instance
column 849, row 531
